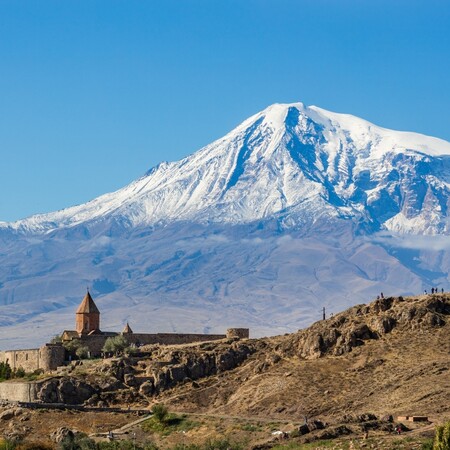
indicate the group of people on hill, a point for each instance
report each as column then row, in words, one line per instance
column 434, row 291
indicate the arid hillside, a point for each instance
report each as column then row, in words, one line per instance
column 387, row 358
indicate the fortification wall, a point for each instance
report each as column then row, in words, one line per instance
column 94, row 343
column 51, row 356
column 172, row 338
column 239, row 333
column 19, row 391
column 28, row 359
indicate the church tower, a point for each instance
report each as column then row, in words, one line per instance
column 87, row 317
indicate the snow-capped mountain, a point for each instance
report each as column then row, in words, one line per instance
column 293, row 162
column 295, row 208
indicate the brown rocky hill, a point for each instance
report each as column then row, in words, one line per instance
column 389, row 357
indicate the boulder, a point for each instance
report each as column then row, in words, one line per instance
column 177, row 373
column 303, row 429
column 129, row 379
column 7, row 415
column 147, row 388
column 385, row 325
column 62, row 433
column 66, row 390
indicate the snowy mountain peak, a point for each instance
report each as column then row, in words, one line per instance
column 290, row 163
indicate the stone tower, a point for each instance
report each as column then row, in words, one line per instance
column 87, row 317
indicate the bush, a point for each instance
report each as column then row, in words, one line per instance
column 78, row 442
column 442, row 438
column 116, row 344
column 222, row 444
column 82, row 352
column 160, row 412
column 5, row 371
column 125, row 445
column 19, row 373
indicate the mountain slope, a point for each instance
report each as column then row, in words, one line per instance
column 289, row 161
column 295, row 209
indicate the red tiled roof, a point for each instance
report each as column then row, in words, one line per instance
column 87, row 305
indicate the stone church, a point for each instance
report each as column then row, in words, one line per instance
column 87, row 333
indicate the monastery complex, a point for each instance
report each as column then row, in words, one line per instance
column 87, row 331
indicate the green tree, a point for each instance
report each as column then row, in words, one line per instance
column 57, row 339
column 115, row 344
column 82, row 352
column 19, row 373
column 72, row 345
column 5, row 371
column 442, row 438
column 160, row 412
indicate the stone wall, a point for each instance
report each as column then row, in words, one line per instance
column 28, row 360
column 19, row 391
column 95, row 343
column 171, row 338
column 48, row 357
column 51, row 356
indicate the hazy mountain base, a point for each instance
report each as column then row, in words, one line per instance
column 195, row 278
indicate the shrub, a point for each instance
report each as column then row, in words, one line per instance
column 442, row 438
column 125, row 445
column 222, row 444
column 30, row 446
column 5, row 371
column 160, row 412
column 57, row 339
column 116, row 344
column 82, row 352
column 19, row 373
column 6, row 444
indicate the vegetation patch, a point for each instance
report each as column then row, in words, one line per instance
column 251, row 427
column 171, row 423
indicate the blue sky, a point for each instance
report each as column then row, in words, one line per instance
column 94, row 93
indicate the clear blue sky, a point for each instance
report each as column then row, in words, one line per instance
column 94, row 93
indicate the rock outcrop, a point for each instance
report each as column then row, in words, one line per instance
column 340, row 334
column 67, row 390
